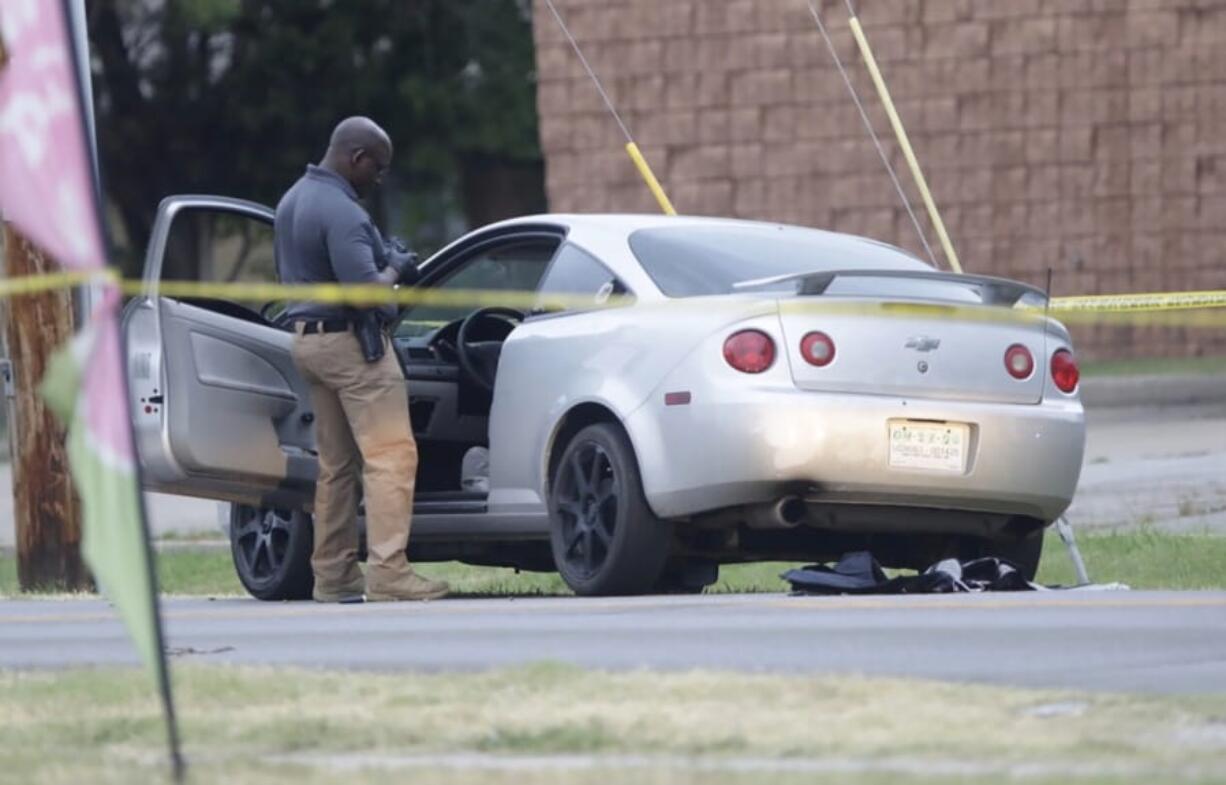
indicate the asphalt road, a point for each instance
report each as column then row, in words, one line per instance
column 1171, row 642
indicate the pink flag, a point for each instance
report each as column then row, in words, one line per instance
column 47, row 191
column 45, row 183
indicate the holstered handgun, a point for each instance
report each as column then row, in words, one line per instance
column 368, row 327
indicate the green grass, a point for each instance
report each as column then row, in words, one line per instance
column 200, row 536
column 470, row 581
column 180, row 571
column 1154, row 366
column 197, row 571
column 1143, row 560
column 8, row 573
column 285, row 725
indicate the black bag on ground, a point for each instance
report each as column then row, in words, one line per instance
column 859, row 573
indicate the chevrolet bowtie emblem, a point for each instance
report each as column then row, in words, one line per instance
column 922, row 343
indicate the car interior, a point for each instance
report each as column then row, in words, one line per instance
column 450, row 357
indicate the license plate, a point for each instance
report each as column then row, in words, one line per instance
column 925, row 445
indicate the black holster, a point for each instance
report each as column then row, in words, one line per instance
column 368, row 327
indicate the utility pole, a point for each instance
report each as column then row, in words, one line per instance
column 45, row 506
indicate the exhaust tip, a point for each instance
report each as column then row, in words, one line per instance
column 787, row 512
column 792, row 511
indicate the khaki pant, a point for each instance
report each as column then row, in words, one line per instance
column 361, row 423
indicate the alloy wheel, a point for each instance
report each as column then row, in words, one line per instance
column 262, row 541
column 587, row 504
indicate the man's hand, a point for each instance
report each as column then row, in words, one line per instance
column 405, row 265
column 403, row 261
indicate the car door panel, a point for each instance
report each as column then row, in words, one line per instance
column 235, row 419
column 225, row 366
column 221, row 411
column 235, row 397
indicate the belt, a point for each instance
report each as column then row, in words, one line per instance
column 323, row 326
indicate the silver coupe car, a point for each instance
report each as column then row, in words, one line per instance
column 715, row 391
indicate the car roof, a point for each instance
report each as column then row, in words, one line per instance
column 606, row 235
column 626, row 224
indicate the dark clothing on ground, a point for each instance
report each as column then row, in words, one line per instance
column 859, row 573
column 324, row 235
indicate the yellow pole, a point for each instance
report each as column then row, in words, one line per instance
column 903, row 142
column 640, row 162
column 649, row 177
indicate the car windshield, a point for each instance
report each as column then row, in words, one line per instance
column 691, row 261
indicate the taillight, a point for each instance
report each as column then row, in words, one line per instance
column 749, row 351
column 1064, row 371
column 817, row 349
column 1019, row 362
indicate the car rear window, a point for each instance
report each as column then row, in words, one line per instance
column 691, row 261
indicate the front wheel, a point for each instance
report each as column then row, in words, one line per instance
column 604, row 537
column 271, row 549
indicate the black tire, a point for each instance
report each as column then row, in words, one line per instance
column 271, row 549
column 604, row 537
column 1023, row 553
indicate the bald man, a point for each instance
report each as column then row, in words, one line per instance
column 324, row 235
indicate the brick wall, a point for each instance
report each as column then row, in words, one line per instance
column 1088, row 136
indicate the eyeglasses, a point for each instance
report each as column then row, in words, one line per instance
column 381, row 167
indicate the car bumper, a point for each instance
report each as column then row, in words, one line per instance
column 726, row 450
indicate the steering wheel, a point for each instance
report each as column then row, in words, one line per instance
column 479, row 359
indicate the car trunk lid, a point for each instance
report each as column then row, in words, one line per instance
column 915, row 335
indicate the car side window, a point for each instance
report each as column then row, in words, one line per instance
column 516, row 266
column 211, row 245
column 575, row 277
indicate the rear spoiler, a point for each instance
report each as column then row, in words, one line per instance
column 992, row 290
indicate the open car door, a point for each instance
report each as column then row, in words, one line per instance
column 220, row 411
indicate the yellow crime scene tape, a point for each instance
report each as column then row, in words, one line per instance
column 46, row 282
column 1191, row 309
column 1140, row 302
column 327, row 293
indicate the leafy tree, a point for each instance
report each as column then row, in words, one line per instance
column 235, row 96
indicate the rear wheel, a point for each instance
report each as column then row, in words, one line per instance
column 604, row 537
column 271, row 549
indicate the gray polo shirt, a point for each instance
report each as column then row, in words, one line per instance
column 322, row 234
